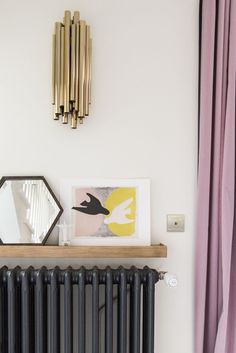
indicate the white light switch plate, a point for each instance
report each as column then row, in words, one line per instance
column 175, row 223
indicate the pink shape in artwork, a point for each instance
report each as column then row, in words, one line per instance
column 85, row 224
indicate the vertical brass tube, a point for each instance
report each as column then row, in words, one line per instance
column 72, row 66
column 67, row 63
column 62, row 70
column 90, row 68
column 74, row 120
column 57, row 70
column 77, row 66
column 65, row 118
column 82, row 69
column 53, row 66
column 86, row 81
column 76, row 17
column 76, row 22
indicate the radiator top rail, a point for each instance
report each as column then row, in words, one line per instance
column 75, row 275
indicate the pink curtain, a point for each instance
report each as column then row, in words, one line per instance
column 215, row 301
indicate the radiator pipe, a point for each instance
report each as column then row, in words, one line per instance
column 81, row 308
column 109, row 312
column 95, row 311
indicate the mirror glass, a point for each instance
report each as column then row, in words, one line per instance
column 28, row 210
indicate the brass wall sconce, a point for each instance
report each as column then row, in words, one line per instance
column 71, row 69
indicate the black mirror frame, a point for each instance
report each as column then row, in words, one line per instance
column 6, row 178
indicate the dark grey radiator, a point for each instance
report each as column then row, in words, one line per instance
column 45, row 310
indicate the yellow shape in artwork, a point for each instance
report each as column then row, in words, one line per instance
column 122, row 206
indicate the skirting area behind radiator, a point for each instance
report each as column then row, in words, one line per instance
column 77, row 310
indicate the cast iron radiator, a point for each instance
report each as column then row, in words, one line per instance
column 44, row 310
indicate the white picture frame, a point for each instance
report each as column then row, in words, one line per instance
column 142, row 235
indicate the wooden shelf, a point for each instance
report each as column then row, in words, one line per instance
column 48, row 251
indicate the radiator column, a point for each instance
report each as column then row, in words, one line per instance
column 55, row 337
column 122, row 312
column 81, row 313
column 109, row 312
column 40, row 312
column 135, row 303
column 148, row 312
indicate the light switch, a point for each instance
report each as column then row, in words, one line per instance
column 175, row 223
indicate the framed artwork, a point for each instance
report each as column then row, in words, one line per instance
column 107, row 211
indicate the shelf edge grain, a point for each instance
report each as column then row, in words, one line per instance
column 49, row 251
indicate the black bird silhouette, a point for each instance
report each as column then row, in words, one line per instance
column 92, row 207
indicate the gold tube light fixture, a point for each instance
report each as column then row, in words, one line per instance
column 71, row 69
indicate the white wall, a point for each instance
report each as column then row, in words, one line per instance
column 143, row 121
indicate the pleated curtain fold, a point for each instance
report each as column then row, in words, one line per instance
column 215, row 285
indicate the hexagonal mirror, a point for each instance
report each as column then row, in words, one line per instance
column 29, row 210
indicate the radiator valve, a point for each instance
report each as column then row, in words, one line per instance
column 169, row 279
